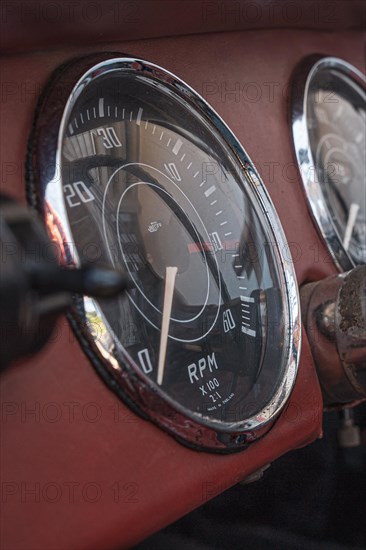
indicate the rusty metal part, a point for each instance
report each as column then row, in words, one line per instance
column 334, row 315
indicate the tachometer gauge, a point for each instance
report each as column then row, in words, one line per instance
column 329, row 131
column 132, row 169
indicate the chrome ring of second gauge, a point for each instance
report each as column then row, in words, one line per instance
column 308, row 69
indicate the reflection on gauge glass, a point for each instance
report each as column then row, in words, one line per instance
column 331, row 117
column 151, row 181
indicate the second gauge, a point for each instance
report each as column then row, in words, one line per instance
column 329, row 131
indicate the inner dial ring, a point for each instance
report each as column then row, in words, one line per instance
column 203, row 249
column 150, row 259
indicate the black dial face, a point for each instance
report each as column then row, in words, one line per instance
column 336, row 119
column 149, row 180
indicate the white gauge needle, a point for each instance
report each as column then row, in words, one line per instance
column 352, row 216
column 170, row 275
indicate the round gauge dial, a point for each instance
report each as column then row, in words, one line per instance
column 329, row 127
column 148, row 179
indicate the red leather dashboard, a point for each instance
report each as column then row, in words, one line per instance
column 78, row 469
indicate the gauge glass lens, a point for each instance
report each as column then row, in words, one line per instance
column 336, row 122
column 149, row 184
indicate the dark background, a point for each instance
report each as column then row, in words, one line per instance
column 310, row 499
